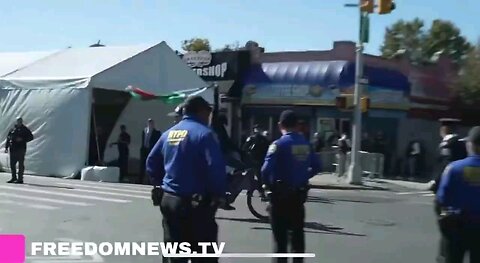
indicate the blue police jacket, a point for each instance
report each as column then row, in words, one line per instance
column 459, row 189
column 291, row 160
column 187, row 160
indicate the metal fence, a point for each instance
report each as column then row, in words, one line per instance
column 370, row 163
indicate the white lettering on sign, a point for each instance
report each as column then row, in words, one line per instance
column 213, row 71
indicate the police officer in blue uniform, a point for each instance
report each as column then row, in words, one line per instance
column 458, row 197
column 187, row 168
column 289, row 164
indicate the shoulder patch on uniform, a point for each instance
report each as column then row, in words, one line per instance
column 272, row 148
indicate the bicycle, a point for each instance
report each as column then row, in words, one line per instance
column 241, row 180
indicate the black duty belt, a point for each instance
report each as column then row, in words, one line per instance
column 195, row 200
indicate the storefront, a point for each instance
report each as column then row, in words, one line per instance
column 311, row 88
column 227, row 70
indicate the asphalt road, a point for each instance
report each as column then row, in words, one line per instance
column 342, row 225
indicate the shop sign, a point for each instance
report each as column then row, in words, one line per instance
column 201, row 63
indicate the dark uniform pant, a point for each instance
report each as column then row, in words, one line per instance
column 144, row 152
column 17, row 156
column 454, row 246
column 287, row 215
column 184, row 223
column 123, row 165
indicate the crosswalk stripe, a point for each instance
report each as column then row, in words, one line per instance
column 64, row 194
column 46, row 207
column 414, row 193
column 36, row 198
column 431, row 194
column 108, row 193
column 119, row 185
column 105, row 188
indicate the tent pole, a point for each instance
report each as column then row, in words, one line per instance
column 95, row 131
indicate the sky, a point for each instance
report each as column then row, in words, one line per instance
column 277, row 25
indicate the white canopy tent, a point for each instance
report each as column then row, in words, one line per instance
column 54, row 95
column 12, row 61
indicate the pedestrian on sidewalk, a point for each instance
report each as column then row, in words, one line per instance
column 451, row 148
column 150, row 136
column 457, row 201
column 289, row 164
column 16, row 144
column 344, row 146
column 123, row 143
column 414, row 157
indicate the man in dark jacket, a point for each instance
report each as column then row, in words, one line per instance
column 123, row 142
column 256, row 147
column 17, row 140
column 150, row 136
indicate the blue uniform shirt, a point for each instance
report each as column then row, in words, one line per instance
column 460, row 186
column 291, row 160
column 189, row 159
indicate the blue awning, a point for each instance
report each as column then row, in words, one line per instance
column 338, row 73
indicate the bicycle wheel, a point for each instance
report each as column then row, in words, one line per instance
column 256, row 204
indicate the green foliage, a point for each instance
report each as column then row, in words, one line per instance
column 468, row 84
column 196, row 44
column 231, row 47
column 423, row 46
column 444, row 36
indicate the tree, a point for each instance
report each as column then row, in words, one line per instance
column 445, row 37
column 422, row 46
column 468, row 84
column 196, row 44
column 402, row 37
column 231, row 47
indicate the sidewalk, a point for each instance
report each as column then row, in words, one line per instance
column 406, row 184
column 332, row 181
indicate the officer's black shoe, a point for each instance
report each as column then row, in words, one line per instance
column 18, row 182
column 11, row 181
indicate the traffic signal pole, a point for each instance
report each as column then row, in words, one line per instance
column 355, row 170
column 364, row 8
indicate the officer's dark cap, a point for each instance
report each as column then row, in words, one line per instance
column 449, row 121
column 178, row 112
column 288, row 119
column 196, row 104
column 474, row 135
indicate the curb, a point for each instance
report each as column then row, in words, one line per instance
column 347, row 187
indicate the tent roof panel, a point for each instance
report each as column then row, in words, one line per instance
column 77, row 62
column 11, row 61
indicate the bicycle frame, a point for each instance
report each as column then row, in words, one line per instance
column 239, row 182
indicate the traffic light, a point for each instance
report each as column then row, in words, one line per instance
column 367, row 6
column 385, row 6
column 365, row 104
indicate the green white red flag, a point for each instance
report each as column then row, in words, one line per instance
column 172, row 98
